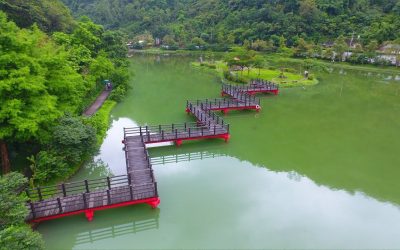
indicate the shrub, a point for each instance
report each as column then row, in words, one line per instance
column 290, row 70
column 14, row 233
column 118, row 93
column 20, row 237
column 74, row 138
column 12, row 207
column 47, row 165
column 234, row 78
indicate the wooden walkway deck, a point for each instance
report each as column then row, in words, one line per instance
column 88, row 196
column 139, row 184
column 256, row 86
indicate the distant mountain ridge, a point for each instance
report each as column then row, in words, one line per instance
column 218, row 21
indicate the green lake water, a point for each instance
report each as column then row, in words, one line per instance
column 318, row 167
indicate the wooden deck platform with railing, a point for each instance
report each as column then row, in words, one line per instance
column 88, row 196
column 139, row 184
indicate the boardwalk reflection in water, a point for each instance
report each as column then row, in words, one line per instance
column 191, row 156
column 139, row 223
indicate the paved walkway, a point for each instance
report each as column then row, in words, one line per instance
column 97, row 104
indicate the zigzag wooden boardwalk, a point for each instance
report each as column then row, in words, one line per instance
column 139, row 184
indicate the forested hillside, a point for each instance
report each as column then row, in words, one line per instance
column 49, row 15
column 226, row 21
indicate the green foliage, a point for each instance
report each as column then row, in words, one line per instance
column 20, row 237
column 101, row 120
column 169, row 40
column 261, row 45
column 228, row 22
column 47, row 165
column 340, row 47
column 113, row 44
column 118, row 93
column 72, row 142
column 14, row 234
column 12, row 206
column 198, row 41
column 243, row 59
column 230, row 76
column 74, row 138
column 120, row 78
column 37, row 83
column 49, row 15
column 101, row 67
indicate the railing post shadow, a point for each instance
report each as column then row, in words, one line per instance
column 39, row 193
column 59, row 205
column 32, row 209
column 87, row 186
column 84, row 200
column 108, row 197
column 64, row 190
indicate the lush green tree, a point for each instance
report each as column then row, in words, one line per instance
column 259, row 45
column 12, row 206
column 169, row 40
column 74, row 138
column 198, row 41
column 371, row 48
column 113, row 44
column 308, row 10
column 39, row 82
column 101, row 68
column 47, row 165
column 303, row 48
column 88, row 34
column 258, row 62
column 14, row 233
column 340, row 47
column 242, row 59
column 27, row 107
column 49, row 15
column 20, row 237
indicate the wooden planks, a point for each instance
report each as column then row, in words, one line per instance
column 139, row 183
column 94, row 199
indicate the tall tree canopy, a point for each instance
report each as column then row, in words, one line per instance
column 38, row 83
column 43, row 77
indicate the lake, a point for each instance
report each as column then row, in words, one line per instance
column 318, row 167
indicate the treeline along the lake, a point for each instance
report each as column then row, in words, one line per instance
column 51, row 68
column 234, row 21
